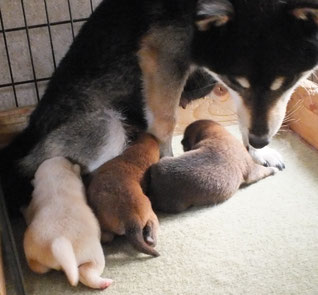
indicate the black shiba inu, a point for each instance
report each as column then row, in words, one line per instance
column 127, row 68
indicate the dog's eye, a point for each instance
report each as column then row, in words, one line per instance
column 239, row 82
column 277, row 83
column 243, row 82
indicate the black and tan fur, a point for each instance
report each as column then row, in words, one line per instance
column 127, row 68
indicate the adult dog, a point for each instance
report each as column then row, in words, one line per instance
column 127, row 68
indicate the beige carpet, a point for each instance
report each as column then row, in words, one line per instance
column 262, row 241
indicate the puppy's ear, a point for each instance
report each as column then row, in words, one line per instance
column 308, row 14
column 185, row 144
column 77, row 169
column 213, row 13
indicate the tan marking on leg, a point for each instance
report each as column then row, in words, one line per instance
column 161, row 89
column 259, row 172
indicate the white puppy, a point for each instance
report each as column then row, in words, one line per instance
column 63, row 232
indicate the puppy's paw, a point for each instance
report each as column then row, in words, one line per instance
column 149, row 235
column 274, row 170
column 267, row 157
column 105, row 283
column 150, row 231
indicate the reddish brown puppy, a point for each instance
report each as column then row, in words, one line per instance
column 215, row 164
column 116, row 195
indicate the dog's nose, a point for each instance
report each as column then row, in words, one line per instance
column 258, row 142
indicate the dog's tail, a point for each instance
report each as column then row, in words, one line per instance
column 63, row 252
column 134, row 234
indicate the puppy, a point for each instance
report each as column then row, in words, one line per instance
column 211, row 171
column 115, row 193
column 63, row 232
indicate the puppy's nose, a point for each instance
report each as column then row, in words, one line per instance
column 258, row 142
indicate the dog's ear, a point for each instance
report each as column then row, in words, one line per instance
column 309, row 14
column 213, row 13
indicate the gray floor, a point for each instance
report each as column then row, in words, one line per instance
column 262, row 241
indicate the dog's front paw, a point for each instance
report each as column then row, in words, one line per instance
column 267, row 157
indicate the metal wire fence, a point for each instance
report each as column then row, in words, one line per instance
column 20, row 86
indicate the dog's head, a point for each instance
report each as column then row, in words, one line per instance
column 261, row 50
column 200, row 130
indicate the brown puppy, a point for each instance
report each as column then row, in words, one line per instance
column 211, row 171
column 115, row 193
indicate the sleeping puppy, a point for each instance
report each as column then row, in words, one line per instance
column 214, row 166
column 63, row 232
column 116, row 195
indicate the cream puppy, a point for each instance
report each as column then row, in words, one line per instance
column 63, row 232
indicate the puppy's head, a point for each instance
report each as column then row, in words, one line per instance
column 260, row 50
column 197, row 131
column 56, row 167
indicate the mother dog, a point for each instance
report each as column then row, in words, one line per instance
column 126, row 70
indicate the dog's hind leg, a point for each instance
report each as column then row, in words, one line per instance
column 259, row 172
column 164, row 72
column 90, row 276
column 90, row 271
column 38, row 267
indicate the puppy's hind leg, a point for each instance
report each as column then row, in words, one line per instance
column 107, row 237
column 38, row 267
column 90, row 271
column 150, row 231
column 259, row 172
column 90, row 276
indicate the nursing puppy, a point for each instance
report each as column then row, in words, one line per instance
column 116, row 195
column 211, row 171
column 63, row 232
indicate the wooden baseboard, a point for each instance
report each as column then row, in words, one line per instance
column 302, row 115
column 12, row 122
column 302, row 112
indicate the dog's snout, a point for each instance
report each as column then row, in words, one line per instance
column 258, row 142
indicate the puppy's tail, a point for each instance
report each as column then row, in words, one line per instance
column 63, row 252
column 134, row 234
